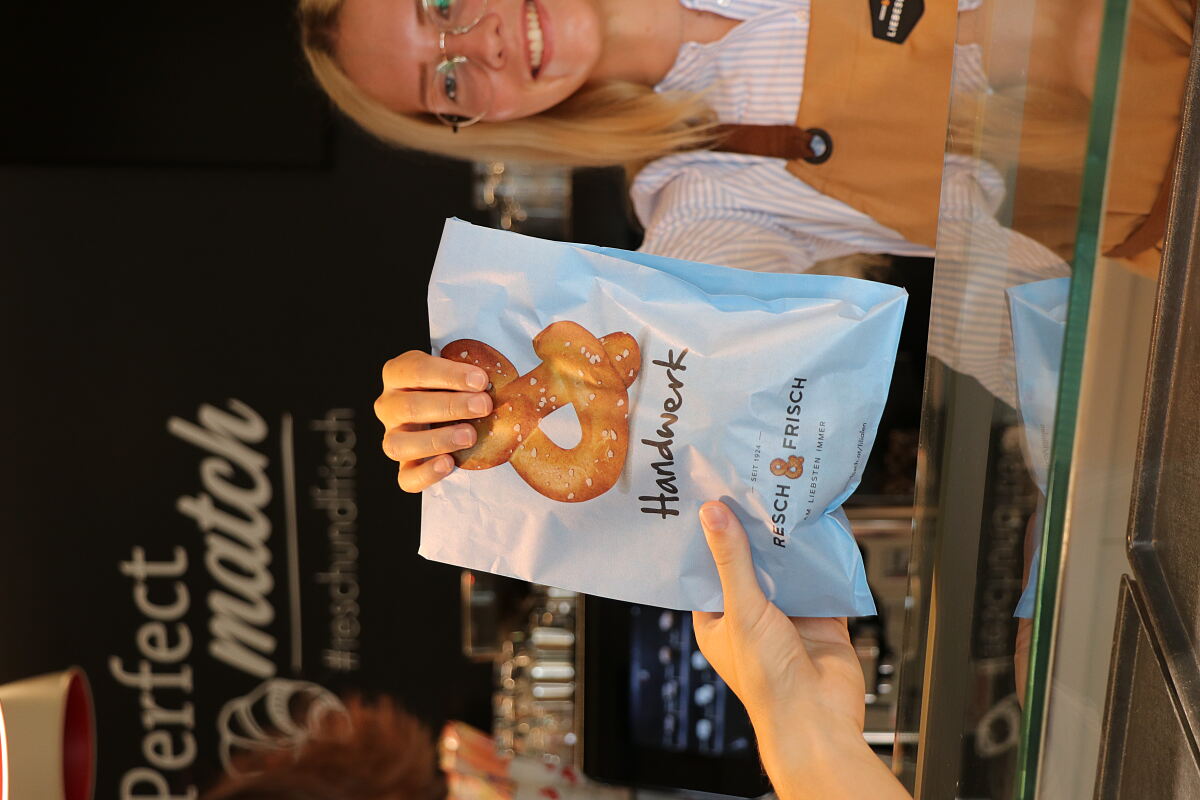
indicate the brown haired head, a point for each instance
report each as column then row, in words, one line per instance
column 374, row 752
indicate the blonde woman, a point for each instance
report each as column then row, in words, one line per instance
column 765, row 134
column 696, row 97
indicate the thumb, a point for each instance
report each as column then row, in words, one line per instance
column 744, row 598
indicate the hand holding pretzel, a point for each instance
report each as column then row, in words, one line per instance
column 420, row 391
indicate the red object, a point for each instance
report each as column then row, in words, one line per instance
column 79, row 749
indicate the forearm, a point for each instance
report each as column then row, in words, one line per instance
column 808, row 764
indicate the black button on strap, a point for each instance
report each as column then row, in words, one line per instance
column 821, row 144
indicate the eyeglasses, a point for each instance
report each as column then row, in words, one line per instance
column 459, row 91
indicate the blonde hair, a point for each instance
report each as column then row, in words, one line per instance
column 609, row 124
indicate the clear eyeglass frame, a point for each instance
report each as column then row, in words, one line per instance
column 457, row 17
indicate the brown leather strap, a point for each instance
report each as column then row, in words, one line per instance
column 775, row 141
column 1154, row 226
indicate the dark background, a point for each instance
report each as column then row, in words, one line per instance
column 182, row 221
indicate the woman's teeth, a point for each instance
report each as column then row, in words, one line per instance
column 533, row 27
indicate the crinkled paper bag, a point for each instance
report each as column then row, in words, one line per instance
column 760, row 389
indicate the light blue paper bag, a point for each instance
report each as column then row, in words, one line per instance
column 738, row 370
column 1038, row 312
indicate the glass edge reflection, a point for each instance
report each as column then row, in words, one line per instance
column 1100, row 134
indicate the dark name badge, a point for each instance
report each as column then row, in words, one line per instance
column 894, row 20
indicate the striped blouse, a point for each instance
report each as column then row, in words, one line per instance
column 750, row 212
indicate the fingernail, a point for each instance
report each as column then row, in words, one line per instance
column 715, row 518
column 463, row 436
column 477, row 380
column 442, row 466
column 478, row 404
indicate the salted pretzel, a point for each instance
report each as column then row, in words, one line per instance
column 576, row 369
column 792, row 468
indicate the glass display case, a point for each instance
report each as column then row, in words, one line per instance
column 1063, row 155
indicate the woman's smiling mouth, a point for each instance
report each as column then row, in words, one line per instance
column 535, row 40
